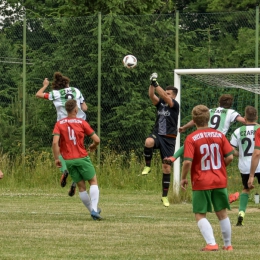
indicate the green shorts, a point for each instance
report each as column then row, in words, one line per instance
column 202, row 200
column 81, row 169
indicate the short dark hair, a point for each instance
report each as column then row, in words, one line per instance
column 225, row 100
column 70, row 105
column 250, row 113
column 174, row 90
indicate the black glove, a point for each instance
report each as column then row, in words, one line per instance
column 169, row 160
column 153, row 79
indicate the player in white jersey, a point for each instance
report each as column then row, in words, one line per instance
column 62, row 92
column 243, row 140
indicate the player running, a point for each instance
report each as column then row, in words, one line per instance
column 68, row 140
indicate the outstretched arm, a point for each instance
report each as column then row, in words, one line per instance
column 40, row 93
column 190, row 124
column 241, row 119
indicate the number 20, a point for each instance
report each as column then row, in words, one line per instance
column 211, row 157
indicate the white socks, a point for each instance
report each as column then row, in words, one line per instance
column 86, row 200
column 94, row 195
column 206, row 231
column 226, row 231
column 91, row 201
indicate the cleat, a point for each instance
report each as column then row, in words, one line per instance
column 233, row 197
column 63, row 179
column 146, row 170
column 95, row 214
column 72, row 189
column 210, row 248
column 228, row 248
column 240, row 218
column 165, row 201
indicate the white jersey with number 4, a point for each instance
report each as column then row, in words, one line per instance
column 60, row 97
column 243, row 139
column 222, row 118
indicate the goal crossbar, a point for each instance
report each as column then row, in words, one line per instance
column 243, row 78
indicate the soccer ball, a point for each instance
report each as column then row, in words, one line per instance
column 130, row 61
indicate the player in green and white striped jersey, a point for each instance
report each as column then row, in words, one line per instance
column 60, row 94
column 221, row 118
column 243, row 141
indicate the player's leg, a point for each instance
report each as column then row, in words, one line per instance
column 219, row 198
column 65, row 173
column 167, row 146
column 64, row 176
column 88, row 172
column 201, row 203
column 148, row 153
column 84, row 195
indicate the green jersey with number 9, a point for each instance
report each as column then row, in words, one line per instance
column 222, row 118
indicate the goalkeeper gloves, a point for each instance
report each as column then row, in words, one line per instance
column 153, row 79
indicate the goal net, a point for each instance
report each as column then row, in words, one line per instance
column 204, row 86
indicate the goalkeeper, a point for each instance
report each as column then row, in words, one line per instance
column 164, row 134
column 61, row 92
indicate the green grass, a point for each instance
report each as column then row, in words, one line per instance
column 48, row 224
column 40, row 221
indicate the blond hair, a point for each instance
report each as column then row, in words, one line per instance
column 200, row 115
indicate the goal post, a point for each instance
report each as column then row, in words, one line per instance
column 242, row 78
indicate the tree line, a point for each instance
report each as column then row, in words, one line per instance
column 63, row 36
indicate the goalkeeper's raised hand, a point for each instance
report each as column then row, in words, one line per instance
column 153, row 79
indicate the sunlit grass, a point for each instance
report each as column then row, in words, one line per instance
column 116, row 171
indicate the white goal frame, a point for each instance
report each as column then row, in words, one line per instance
column 177, row 83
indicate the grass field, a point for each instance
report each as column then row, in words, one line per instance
column 48, row 224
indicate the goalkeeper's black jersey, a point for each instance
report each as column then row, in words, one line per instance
column 167, row 118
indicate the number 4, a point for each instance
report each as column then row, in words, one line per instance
column 72, row 135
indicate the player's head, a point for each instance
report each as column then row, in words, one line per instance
column 250, row 114
column 225, row 100
column 200, row 115
column 71, row 106
column 172, row 91
column 60, row 81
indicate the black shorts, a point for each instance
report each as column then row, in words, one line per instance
column 165, row 144
column 245, row 178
